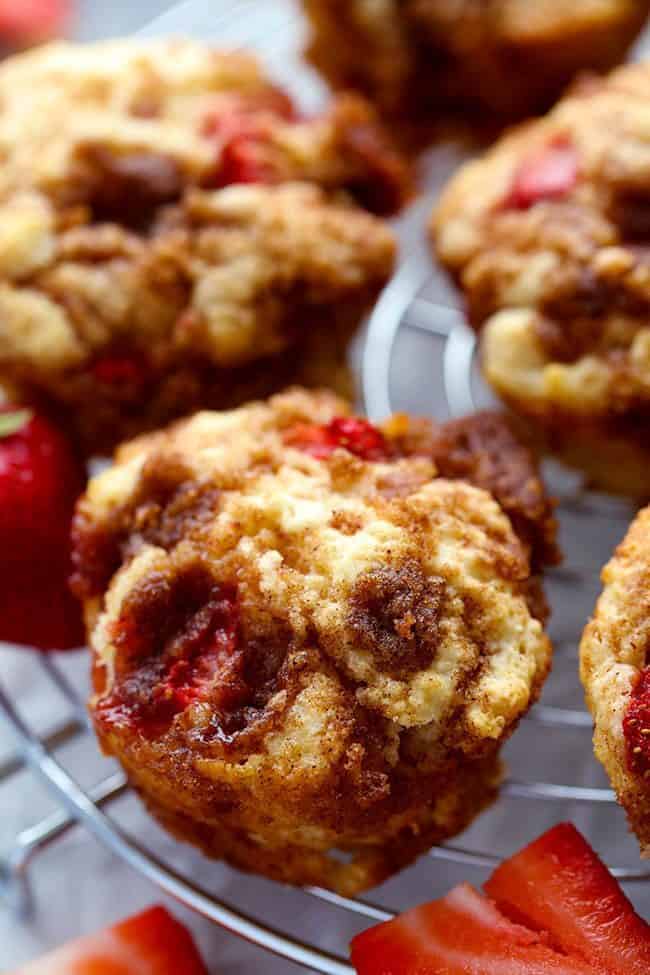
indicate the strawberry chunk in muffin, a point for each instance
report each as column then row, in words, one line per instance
column 353, row 434
column 548, row 175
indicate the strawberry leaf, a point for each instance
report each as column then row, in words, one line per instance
column 14, row 422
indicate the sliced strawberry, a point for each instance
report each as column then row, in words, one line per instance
column 559, row 885
column 311, row 439
column 548, row 175
column 28, row 21
column 150, row 943
column 353, row 434
column 636, row 726
column 245, row 159
column 462, row 934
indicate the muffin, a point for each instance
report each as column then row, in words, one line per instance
column 306, row 642
column 547, row 237
column 487, row 61
column 615, row 671
column 174, row 234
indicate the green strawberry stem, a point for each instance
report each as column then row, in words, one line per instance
column 14, row 422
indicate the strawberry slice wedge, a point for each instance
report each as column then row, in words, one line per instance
column 150, row 943
column 558, row 884
column 554, row 907
column 462, row 934
column 28, row 21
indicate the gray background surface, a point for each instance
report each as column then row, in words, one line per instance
column 77, row 885
column 103, row 18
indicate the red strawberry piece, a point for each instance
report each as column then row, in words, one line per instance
column 40, row 480
column 549, row 174
column 558, row 884
column 245, row 159
column 242, row 128
column 230, row 117
column 311, row 439
column 554, row 907
column 201, row 659
column 636, row 726
column 462, row 934
column 150, row 943
column 353, row 434
column 28, row 21
column 209, row 658
column 229, row 122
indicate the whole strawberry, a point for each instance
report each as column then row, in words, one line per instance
column 40, row 480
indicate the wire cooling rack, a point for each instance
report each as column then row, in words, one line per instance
column 420, row 356
column 405, row 305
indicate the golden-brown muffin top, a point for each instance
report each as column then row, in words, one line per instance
column 212, row 282
column 547, row 236
column 614, row 663
column 483, row 60
column 162, row 114
column 335, row 547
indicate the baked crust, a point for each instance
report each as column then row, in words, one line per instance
column 614, row 652
column 376, row 638
column 174, row 235
column 487, row 62
column 546, row 237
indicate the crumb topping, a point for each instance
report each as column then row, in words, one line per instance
column 395, row 616
column 547, row 238
column 303, row 636
column 168, row 205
